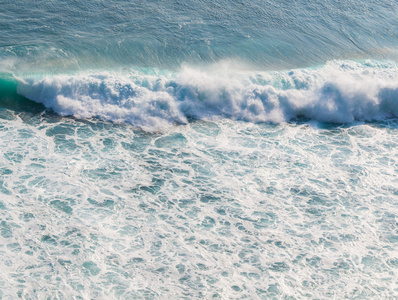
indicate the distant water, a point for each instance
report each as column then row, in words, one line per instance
column 198, row 149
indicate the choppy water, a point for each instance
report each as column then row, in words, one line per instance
column 212, row 209
column 227, row 150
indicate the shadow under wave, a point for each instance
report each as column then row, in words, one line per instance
column 11, row 100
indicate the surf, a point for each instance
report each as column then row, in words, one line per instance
column 153, row 100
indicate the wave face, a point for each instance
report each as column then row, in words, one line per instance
column 339, row 92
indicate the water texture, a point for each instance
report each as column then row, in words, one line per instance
column 212, row 209
column 195, row 149
column 265, row 34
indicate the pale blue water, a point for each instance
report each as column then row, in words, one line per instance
column 196, row 149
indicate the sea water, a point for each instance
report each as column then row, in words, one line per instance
column 197, row 149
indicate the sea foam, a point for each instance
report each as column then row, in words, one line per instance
column 338, row 92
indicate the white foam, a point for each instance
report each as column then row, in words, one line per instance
column 241, row 210
column 340, row 92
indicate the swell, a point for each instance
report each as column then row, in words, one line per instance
column 152, row 100
column 265, row 33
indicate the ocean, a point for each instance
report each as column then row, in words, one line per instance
column 169, row 149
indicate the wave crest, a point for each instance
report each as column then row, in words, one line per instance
column 339, row 92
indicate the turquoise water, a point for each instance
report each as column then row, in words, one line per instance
column 65, row 34
column 196, row 149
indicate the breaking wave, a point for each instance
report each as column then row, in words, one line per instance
column 152, row 100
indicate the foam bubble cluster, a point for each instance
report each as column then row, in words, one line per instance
column 218, row 209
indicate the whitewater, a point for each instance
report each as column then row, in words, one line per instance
column 185, row 150
column 339, row 92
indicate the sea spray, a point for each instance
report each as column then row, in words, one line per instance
column 338, row 92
